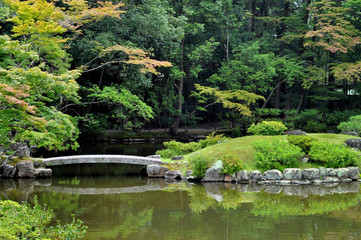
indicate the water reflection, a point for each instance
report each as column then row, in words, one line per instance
column 141, row 208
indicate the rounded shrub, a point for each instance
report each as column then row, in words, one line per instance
column 276, row 155
column 231, row 164
column 199, row 164
column 267, row 128
column 302, row 141
column 352, row 125
column 334, row 155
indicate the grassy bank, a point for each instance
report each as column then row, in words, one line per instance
column 243, row 148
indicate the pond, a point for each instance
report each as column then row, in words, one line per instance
column 142, row 208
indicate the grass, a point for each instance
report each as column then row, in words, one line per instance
column 243, row 146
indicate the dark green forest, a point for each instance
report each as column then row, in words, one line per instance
column 74, row 66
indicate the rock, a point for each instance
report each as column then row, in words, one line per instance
column 39, row 164
column 173, row 174
column 285, row 182
column 189, row 173
column 311, row 173
column 301, row 182
column 304, row 159
column 242, row 176
column 273, row 174
column 177, row 158
column 354, row 172
column 292, row 174
column 9, row 171
column 295, row 132
column 330, row 180
column 331, row 172
column 25, row 169
column 154, row 156
column 43, row 172
column 155, row 170
column 213, row 174
column 347, row 180
column 323, row 172
column 230, row 178
column 317, row 181
column 354, row 143
column 350, row 133
column 215, row 190
column 256, row 175
column 343, row 173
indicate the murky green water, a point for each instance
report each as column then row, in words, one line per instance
column 138, row 208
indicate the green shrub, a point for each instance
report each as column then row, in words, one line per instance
column 231, row 164
column 276, row 155
column 22, row 221
column 333, row 155
column 212, row 139
column 199, row 165
column 352, row 125
column 267, row 128
column 302, row 141
column 174, row 148
column 311, row 120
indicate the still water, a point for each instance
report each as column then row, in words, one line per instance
column 142, row 208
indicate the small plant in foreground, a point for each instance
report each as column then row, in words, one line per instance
column 276, row 155
column 231, row 164
column 334, row 155
column 303, row 141
column 22, row 221
column 267, row 128
column 199, row 165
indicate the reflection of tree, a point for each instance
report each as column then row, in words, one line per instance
column 134, row 222
column 279, row 204
column 200, row 200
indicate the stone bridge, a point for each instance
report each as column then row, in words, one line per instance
column 89, row 159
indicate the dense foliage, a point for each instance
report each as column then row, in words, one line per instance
column 301, row 141
column 174, row 148
column 267, row 128
column 22, row 221
column 276, row 155
column 352, row 125
column 199, row 165
column 92, row 64
column 231, row 164
column 334, row 155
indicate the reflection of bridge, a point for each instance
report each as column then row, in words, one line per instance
column 89, row 159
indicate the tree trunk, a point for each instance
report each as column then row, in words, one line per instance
column 177, row 118
column 251, row 20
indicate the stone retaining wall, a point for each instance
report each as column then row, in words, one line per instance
column 289, row 176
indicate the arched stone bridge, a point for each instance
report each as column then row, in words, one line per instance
column 88, row 159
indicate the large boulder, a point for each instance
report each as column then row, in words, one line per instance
column 9, row 171
column 242, row 176
column 43, row 172
column 295, row 132
column 156, row 171
column 173, row 174
column 354, row 172
column 354, row 142
column 343, row 173
column 213, row 174
column 25, row 169
column 273, row 174
column 311, row 173
column 292, row 174
column 256, row 175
